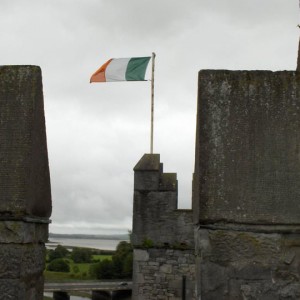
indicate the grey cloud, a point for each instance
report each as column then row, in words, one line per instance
column 98, row 132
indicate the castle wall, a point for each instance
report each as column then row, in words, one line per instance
column 25, row 197
column 163, row 273
column 246, row 185
column 163, row 239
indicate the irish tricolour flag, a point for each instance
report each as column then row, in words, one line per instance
column 122, row 69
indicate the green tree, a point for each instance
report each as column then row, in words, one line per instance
column 119, row 267
column 122, row 260
column 128, row 265
column 58, row 252
column 58, row 265
column 103, row 270
column 81, row 255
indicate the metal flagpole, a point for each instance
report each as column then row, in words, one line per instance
column 152, row 101
column 298, row 57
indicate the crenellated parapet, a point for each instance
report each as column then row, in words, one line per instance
column 164, row 261
column 156, row 219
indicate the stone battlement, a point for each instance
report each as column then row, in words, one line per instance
column 156, row 219
column 162, row 236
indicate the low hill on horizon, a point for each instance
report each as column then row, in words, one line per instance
column 124, row 237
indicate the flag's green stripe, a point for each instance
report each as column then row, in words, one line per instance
column 136, row 68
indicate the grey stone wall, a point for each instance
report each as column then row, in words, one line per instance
column 25, row 197
column 246, row 185
column 248, row 265
column 162, row 235
column 160, row 274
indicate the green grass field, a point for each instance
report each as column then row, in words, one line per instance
column 101, row 257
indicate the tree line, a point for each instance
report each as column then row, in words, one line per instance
column 118, row 267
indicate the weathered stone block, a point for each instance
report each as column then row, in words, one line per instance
column 25, row 197
column 11, row 289
column 247, row 265
column 154, row 218
column 247, row 165
column 26, row 290
column 24, row 170
column 141, row 255
column 147, row 173
column 245, row 185
column 20, row 261
column 166, row 268
column 168, row 182
column 23, row 232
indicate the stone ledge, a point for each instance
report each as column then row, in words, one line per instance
column 257, row 228
column 21, row 232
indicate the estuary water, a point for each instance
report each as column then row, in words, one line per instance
column 87, row 243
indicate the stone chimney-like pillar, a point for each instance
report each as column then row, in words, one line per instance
column 25, row 196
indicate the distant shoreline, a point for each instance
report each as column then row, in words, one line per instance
column 99, row 242
column 53, row 245
column 121, row 237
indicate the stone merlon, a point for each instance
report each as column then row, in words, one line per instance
column 25, row 194
column 24, row 170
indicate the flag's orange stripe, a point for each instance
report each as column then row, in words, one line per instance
column 99, row 75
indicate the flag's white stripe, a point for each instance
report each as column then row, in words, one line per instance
column 116, row 70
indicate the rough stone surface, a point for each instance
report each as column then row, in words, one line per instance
column 24, row 170
column 25, row 290
column 21, row 260
column 146, row 173
column 247, row 265
column 23, row 232
column 25, row 198
column 247, row 167
column 246, row 185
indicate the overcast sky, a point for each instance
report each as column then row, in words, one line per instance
column 97, row 132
